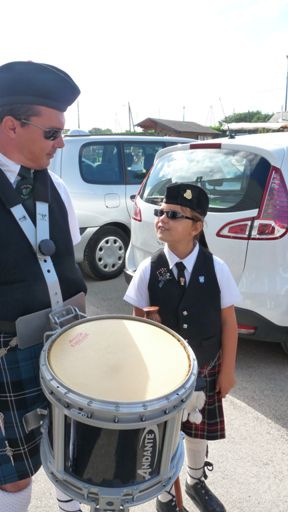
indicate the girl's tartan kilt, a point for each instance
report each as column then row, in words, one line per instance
column 212, row 426
column 20, row 392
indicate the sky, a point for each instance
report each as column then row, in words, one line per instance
column 182, row 60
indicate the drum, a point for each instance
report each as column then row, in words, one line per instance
column 117, row 387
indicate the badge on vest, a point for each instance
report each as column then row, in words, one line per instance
column 163, row 275
column 201, row 279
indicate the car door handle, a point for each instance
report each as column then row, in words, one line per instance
column 133, row 197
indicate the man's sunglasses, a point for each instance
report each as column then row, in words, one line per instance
column 48, row 133
column 172, row 215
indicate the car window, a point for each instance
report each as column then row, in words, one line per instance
column 233, row 179
column 99, row 163
column 138, row 159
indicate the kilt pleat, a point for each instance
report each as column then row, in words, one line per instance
column 20, row 393
column 212, row 426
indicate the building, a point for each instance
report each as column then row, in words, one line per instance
column 178, row 128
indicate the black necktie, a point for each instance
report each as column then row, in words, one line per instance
column 24, row 185
column 181, row 275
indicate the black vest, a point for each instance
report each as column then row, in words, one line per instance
column 197, row 317
column 23, row 289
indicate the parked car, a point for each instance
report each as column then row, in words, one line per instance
column 103, row 174
column 246, row 180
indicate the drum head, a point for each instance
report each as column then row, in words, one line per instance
column 119, row 359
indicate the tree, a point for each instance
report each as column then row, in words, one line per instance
column 252, row 116
column 100, row 131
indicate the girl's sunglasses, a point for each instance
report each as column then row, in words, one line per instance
column 172, row 215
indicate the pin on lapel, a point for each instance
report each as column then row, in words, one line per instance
column 201, row 279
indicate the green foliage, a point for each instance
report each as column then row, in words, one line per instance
column 253, row 116
column 217, row 128
column 100, row 131
column 107, row 131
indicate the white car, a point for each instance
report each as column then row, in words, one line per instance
column 246, row 180
column 103, row 174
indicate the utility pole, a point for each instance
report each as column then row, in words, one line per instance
column 184, row 113
column 78, row 114
column 131, row 122
column 286, row 94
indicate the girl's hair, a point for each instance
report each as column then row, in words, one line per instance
column 202, row 240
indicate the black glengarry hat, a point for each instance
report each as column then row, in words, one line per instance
column 188, row 195
column 33, row 83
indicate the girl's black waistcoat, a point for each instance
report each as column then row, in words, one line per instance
column 197, row 315
column 23, row 289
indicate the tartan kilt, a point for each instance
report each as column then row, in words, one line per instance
column 20, row 392
column 212, row 426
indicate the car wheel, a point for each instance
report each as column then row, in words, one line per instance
column 104, row 256
column 284, row 345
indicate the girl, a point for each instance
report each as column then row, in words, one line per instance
column 195, row 293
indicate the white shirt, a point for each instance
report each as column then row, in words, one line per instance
column 11, row 170
column 137, row 291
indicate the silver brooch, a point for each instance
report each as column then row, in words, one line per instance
column 163, row 275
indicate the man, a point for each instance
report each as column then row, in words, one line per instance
column 37, row 265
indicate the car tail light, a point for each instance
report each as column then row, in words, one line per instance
column 136, row 215
column 271, row 222
column 246, row 329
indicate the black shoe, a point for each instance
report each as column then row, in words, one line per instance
column 203, row 498
column 168, row 506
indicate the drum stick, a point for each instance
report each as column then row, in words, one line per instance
column 151, row 313
column 178, row 495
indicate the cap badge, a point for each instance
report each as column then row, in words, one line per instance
column 188, row 194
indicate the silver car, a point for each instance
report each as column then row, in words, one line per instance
column 103, row 174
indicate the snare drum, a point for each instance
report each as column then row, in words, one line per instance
column 117, row 387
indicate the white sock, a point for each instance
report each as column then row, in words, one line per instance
column 66, row 503
column 167, row 495
column 15, row 501
column 196, row 451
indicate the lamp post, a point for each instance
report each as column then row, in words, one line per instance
column 78, row 114
column 286, row 94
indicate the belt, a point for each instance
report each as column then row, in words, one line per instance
column 7, row 327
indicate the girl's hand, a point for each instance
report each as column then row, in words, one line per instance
column 226, row 381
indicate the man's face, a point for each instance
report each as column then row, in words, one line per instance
column 34, row 150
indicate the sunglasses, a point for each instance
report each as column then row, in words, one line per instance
column 172, row 215
column 48, row 133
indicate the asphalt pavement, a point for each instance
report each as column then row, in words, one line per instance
column 250, row 465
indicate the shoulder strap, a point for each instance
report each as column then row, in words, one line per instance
column 36, row 235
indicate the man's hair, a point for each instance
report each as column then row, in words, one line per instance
column 19, row 112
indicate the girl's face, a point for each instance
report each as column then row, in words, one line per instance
column 178, row 231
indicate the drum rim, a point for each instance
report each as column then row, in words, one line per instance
column 48, row 345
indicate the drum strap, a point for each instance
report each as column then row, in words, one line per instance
column 35, row 236
column 39, row 233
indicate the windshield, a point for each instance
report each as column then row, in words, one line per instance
column 229, row 177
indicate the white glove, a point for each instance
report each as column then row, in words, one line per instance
column 193, row 407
